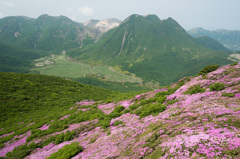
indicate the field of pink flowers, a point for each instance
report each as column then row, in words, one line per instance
column 198, row 125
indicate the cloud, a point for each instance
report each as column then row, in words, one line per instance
column 86, row 11
column 8, row 4
column 1, row 15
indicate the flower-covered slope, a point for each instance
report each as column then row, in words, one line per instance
column 201, row 119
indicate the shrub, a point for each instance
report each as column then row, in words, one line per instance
column 217, row 86
column 228, row 94
column 126, row 111
column 68, row 136
column 118, row 109
column 150, row 109
column 194, row 90
column 59, row 139
column 208, row 69
column 172, row 102
column 117, row 123
column 67, row 152
column 233, row 64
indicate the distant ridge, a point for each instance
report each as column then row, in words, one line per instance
column 229, row 38
column 46, row 33
column 211, row 43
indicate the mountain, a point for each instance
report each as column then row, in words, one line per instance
column 103, row 25
column 152, row 49
column 197, row 117
column 229, row 38
column 46, row 33
column 15, row 59
column 211, row 43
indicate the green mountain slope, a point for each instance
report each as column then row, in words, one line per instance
column 14, row 59
column 153, row 49
column 229, row 38
column 40, row 98
column 211, row 43
column 46, row 33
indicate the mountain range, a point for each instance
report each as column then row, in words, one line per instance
column 230, row 39
column 46, row 33
column 152, row 49
column 142, row 49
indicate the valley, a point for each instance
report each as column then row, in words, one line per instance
column 63, row 66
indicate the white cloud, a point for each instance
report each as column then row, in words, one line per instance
column 86, row 11
column 8, row 4
column 1, row 15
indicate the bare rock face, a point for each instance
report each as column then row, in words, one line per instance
column 103, row 25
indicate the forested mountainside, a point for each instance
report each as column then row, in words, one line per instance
column 46, row 33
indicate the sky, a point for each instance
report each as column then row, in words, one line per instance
column 208, row 14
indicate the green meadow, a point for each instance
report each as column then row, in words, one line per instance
column 62, row 67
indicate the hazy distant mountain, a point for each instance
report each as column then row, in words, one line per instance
column 46, row 33
column 229, row 38
column 103, row 25
column 211, row 43
column 153, row 49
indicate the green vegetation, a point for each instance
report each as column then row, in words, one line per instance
column 228, row 94
column 22, row 151
column 117, row 123
column 229, row 38
column 13, row 59
column 67, row 152
column 100, row 76
column 208, row 69
column 233, row 64
column 115, row 86
column 46, row 33
column 39, row 99
column 154, row 50
column 217, row 86
column 211, row 43
column 194, row 90
column 148, row 109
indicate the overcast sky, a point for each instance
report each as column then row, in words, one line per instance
column 208, row 14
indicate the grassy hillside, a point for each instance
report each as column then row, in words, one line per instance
column 40, row 99
column 15, row 59
column 153, row 49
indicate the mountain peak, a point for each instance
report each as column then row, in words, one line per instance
column 103, row 25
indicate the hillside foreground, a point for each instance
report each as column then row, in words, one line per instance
column 198, row 117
